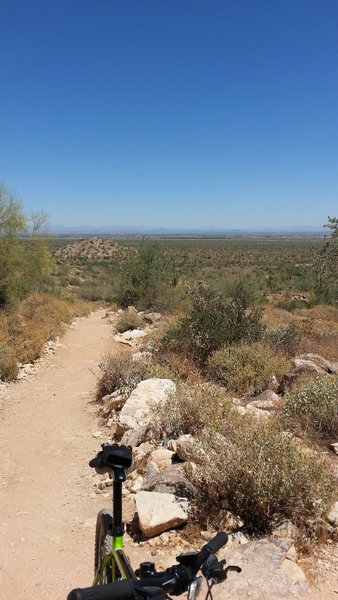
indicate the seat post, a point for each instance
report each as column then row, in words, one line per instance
column 119, row 476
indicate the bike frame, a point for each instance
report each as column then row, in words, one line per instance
column 121, row 567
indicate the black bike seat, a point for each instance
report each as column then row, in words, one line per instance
column 112, row 455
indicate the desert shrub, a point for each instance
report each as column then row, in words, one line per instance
column 214, row 321
column 128, row 320
column 146, row 278
column 311, row 407
column 258, row 473
column 284, row 337
column 244, row 465
column 193, row 408
column 95, row 290
column 120, row 373
column 247, row 368
column 8, row 363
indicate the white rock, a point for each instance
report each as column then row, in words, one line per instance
column 137, row 410
column 132, row 334
column 158, row 512
column 332, row 517
column 334, row 447
column 162, row 457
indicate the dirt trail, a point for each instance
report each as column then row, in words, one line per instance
column 47, row 499
column 47, row 502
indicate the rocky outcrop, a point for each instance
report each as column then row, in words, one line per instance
column 269, row 572
column 158, row 512
column 136, row 412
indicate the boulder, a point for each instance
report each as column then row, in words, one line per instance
column 162, row 457
column 286, row 529
column 268, row 572
column 135, row 437
column 308, row 366
column 171, row 480
column 318, row 360
column 131, row 334
column 267, row 400
column 185, row 447
column 159, row 512
column 137, row 410
column 304, row 367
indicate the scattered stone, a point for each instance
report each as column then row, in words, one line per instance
column 137, row 409
column 159, row 512
column 266, row 573
column 97, row 434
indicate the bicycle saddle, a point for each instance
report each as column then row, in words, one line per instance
column 112, row 456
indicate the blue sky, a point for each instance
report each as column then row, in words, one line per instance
column 171, row 113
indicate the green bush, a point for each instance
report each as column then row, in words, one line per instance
column 247, row 368
column 146, row 278
column 213, row 322
column 311, row 408
column 128, row 320
column 284, row 337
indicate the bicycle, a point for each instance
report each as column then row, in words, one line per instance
column 114, row 576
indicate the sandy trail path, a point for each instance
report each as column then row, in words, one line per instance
column 47, row 500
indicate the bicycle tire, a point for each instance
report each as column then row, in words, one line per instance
column 103, row 543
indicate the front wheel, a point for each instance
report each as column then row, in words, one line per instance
column 103, row 543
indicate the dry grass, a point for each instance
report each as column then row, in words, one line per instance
column 247, row 466
column 318, row 327
column 25, row 330
column 128, row 320
column 247, row 368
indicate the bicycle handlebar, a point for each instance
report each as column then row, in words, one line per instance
column 175, row 580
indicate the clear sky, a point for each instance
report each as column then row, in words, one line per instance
column 171, row 113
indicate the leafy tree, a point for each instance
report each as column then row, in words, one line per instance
column 25, row 259
column 146, row 277
column 325, row 265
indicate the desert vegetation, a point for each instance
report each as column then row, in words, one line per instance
column 256, row 374
column 249, row 335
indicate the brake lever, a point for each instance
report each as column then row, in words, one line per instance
column 214, row 569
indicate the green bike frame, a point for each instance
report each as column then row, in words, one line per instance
column 121, row 567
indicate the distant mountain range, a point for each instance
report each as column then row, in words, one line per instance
column 86, row 230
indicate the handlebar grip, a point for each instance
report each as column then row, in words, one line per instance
column 121, row 590
column 217, row 542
